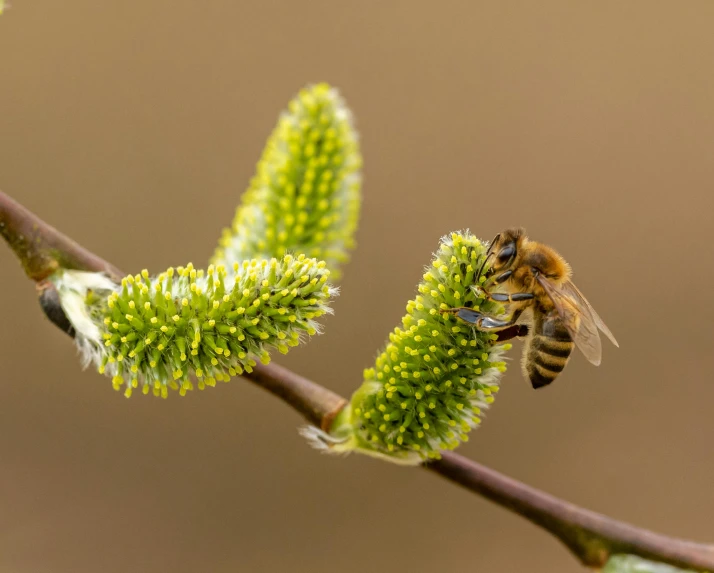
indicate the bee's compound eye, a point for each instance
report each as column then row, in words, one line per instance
column 506, row 254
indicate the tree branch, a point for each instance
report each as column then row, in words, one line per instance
column 590, row 536
column 317, row 404
column 42, row 249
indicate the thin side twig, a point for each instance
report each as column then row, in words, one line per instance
column 590, row 536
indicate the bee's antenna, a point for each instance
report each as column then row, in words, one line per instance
column 483, row 264
column 489, row 254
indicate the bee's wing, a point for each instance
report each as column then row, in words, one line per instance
column 577, row 317
column 598, row 321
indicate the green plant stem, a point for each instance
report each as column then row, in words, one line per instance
column 590, row 536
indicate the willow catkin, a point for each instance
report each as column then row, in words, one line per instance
column 162, row 332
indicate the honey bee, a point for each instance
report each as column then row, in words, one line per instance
column 536, row 279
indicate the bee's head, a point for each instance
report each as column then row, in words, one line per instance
column 503, row 250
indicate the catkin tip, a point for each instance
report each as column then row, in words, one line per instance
column 305, row 195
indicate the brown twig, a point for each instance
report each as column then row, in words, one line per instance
column 590, row 536
column 317, row 404
column 41, row 248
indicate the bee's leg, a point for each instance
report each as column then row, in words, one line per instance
column 466, row 314
column 484, row 321
column 503, row 297
column 498, row 279
column 513, row 331
column 494, row 279
column 505, row 329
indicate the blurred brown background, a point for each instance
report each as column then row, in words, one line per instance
column 135, row 126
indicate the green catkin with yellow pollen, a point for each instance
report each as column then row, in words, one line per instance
column 305, row 195
column 437, row 374
column 188, row 328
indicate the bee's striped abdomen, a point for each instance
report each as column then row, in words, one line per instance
column 548, row 349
